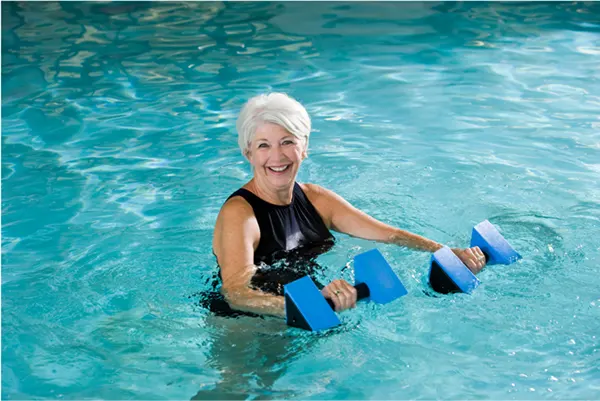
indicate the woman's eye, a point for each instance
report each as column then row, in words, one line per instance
column 288, row 142
column 262, row 145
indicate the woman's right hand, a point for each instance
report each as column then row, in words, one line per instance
column 342, row 294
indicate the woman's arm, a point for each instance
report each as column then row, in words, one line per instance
column 236, row 236
column 339, row 215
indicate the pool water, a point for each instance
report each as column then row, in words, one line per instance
column 119, row 147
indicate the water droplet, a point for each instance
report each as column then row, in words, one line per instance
column 571, row 341
column 553, row 379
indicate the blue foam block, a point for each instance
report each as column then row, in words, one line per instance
column 306, row 308
column 372, row 269
column 491, row 242
column 455, row 269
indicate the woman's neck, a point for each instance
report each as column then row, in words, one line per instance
column 277, row 197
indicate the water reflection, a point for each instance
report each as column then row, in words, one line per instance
column 118, row 146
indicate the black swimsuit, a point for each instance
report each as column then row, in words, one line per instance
column 291, row 237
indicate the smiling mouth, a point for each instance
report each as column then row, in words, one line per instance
column 279, row 169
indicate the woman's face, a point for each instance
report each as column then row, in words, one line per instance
column 276, row 156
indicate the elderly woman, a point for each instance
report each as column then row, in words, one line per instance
column 273, row 216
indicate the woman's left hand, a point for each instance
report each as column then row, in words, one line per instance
column 473, row 258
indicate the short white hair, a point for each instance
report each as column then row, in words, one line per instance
column 276, row 108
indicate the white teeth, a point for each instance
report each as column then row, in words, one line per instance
column 279, row 169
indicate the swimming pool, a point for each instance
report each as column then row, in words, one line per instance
column 119, row 147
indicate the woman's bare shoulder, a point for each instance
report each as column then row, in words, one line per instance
column 235, row 209
column 311, row 189
column 235, row 224
column 320, row 198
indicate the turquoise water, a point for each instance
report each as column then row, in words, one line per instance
column 119, row 147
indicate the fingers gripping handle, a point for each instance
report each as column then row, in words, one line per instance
column 362, row 292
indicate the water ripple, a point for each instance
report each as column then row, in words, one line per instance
column 119, row 147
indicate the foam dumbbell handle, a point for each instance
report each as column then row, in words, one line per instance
column 362, row 292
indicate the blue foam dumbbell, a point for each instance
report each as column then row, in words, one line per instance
column 306, row 308
column 448, row 273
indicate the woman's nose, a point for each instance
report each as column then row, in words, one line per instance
column 277, row 152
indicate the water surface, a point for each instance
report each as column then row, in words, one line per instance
column 119, row 147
